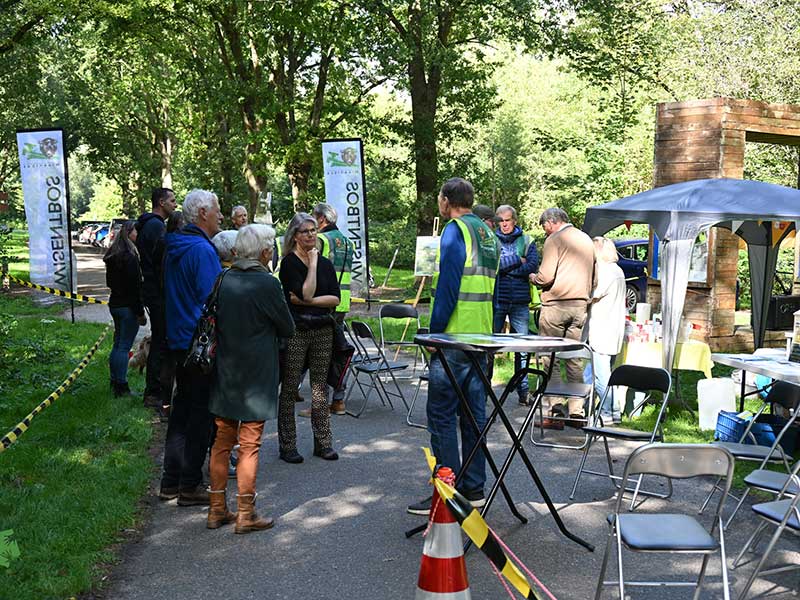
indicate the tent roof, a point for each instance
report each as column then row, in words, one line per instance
column 682, row 210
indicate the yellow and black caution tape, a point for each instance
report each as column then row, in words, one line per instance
column 55, row 292
column 387, row 301
column 477, row 529
column 23, row 425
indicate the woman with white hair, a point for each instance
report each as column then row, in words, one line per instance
column 252, row 315
column 606, row 323
column 312, row 291
column 224, row 242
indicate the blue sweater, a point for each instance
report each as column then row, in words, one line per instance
column 512, row 285
column 191, row 266
column 452, row 256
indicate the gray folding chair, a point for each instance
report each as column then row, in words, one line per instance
column 373, row 365
column 556, row 387
column 668, row 532
column 640, row 379
column 399, row 311
column 782, row 513
column 782, row 394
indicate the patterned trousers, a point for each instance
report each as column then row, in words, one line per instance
column 317, row 345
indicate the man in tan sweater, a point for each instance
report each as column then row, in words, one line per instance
column 565, row 276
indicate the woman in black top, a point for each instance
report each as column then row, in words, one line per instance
column 312, row 291
column 124, row 277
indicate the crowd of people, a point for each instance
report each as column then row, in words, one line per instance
column 280, row 307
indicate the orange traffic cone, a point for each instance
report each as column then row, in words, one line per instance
column 443, row 572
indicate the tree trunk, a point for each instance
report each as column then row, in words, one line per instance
column 424, row 97
column 298, row 177
column 165, row 144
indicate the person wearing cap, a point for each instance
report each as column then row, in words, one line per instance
column 512, row 290
column 486, row 214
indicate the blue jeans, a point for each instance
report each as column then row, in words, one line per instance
column 126, row 326
column 518, row 317
column 444, row 407
column 602, row 372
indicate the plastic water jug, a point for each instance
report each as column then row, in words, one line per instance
column 714, row 395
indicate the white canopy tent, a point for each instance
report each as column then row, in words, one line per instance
column 679, row 212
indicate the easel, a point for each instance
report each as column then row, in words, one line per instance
column 419, row 291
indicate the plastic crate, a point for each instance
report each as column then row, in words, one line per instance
column 730, row 427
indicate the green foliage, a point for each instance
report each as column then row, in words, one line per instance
column 71, row 483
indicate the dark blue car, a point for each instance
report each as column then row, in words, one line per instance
column 633, row 262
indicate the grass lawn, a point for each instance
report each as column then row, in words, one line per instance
column 17, row 249
column 71, row 483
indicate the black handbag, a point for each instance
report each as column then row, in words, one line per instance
column 203, row 349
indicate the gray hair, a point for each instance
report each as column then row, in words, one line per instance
column 194, row 201
column 553, row 215
column 295, row 224
column 252, row 240
column 236, row 209
column 326, row 211
column 223, row 242
column 503, row 208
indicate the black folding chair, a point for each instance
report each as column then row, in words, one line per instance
column 373, row 365
column 640, row 379
column 782, row 394
column 423, row 376
column 782, row 513
column 665, row 532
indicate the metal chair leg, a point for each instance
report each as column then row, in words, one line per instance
column 760, row 565
column 600, row 582
column 411, row 408
column 701, row 577
column 724, row 560
column 750, row 542
column 710, row 495
column 583, row 463
column 619, row 562
column 738, row 506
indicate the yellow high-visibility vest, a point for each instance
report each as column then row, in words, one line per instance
column 473, row 311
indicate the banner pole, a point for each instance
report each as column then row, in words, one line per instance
column 72, row 276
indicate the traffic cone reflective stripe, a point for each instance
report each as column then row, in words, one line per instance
column 443, row 572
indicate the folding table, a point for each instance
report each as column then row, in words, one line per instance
column 765, row 361
column 471, row 344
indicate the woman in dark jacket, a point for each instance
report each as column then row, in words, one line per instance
column 252, row 315
column 124, row 278
column 312, row 291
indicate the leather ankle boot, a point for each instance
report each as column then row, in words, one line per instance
column 218, row 513
column 247, row 519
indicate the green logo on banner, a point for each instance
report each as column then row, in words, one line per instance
column 9, row 550
column 48, row 148
column 345, row 158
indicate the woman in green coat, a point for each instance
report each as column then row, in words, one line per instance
column 252, row 315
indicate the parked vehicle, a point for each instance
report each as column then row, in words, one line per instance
column 633, row 255
column 99, row 235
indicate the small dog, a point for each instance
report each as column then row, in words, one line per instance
column 138, row 357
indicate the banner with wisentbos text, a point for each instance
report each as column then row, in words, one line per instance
column 344, row 190
column 42, row 162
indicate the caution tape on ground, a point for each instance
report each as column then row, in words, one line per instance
column 23, row 425
column 55, row 292
column 476, row 528
column 387, row 301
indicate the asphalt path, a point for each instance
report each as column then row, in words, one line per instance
column 340, row 526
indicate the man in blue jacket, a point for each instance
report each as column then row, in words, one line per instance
column 191, row 266
column 512, row 290
column 151, row 229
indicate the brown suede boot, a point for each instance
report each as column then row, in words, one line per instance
column 218, row 513
column 248, row 520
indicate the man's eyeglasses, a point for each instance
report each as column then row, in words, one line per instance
column 306, row 231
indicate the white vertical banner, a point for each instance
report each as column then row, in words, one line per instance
column 43, row 164
column 344, row 190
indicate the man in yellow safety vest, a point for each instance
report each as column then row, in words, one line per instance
column 463, row 288
column 335, row 246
